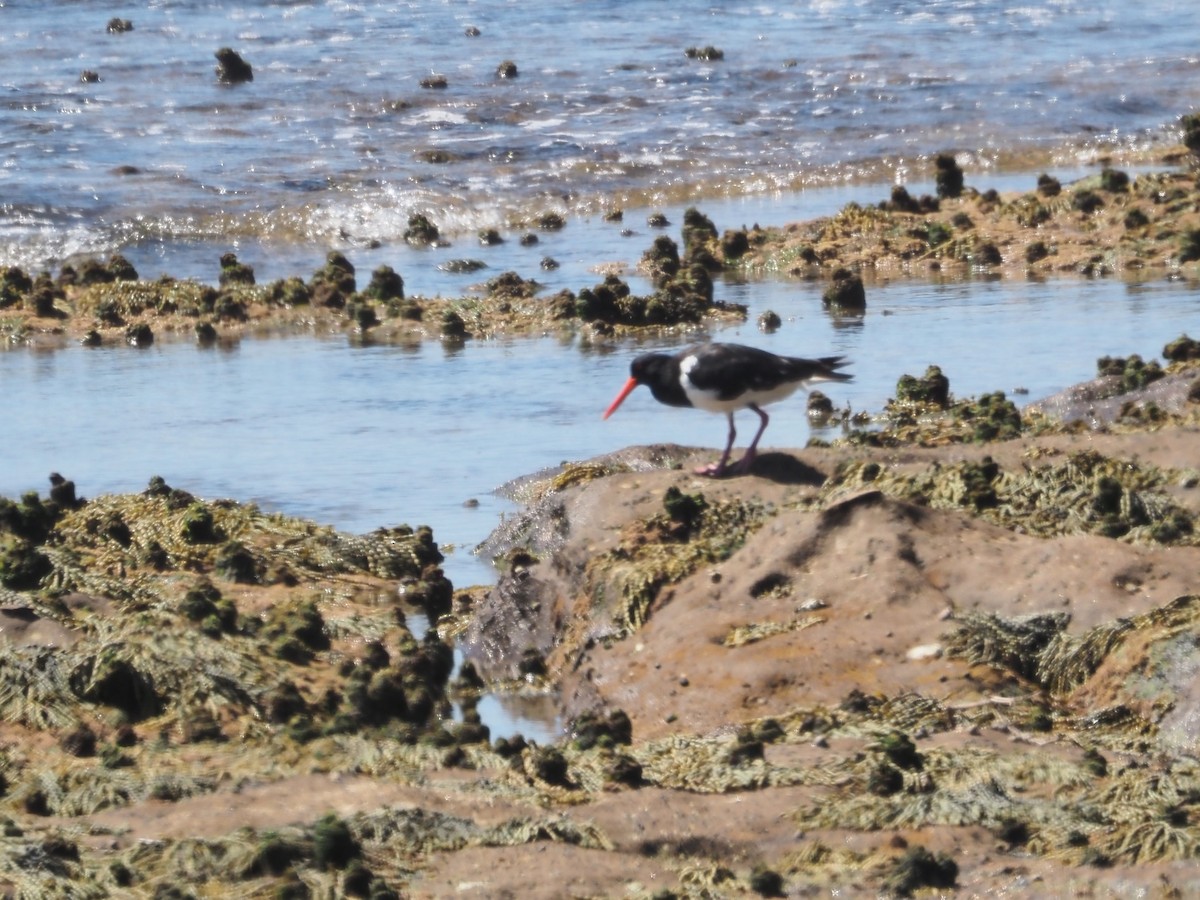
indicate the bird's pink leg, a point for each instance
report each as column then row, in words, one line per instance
column 716, row 470
column 742, row 466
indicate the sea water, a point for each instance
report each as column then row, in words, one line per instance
column 335, row 143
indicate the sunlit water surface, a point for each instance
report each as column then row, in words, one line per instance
column 335, row 142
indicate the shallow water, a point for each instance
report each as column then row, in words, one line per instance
column 365, row 436
column 331, row 144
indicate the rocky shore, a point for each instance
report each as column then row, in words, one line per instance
column 952, row 652
column 1143, row 227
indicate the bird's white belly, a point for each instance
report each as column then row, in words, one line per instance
column 708, row 400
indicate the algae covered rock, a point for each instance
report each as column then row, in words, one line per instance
column 933, row 387
column 421, row 231
column 1182, row 349
column 845, row 292
column 231, row 68
column 235, row 272
column 661, row 261
column 1132, row 371
column 949, row 176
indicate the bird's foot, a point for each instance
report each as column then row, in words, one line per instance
column 745, row 464
column 713, row 470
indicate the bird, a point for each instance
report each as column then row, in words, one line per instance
column 724, row 378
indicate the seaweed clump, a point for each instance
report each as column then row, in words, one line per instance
column 924, row 412
column 691, row 531
column 1087, row 494
column 1132, row 371
column 175, row 553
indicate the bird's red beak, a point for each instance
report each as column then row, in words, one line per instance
column 629, row 386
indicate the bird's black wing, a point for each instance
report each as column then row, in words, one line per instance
column 730, row 370
column 724, row 370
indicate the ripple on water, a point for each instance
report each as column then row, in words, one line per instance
column 621, row 91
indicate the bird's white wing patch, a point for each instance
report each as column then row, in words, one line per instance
column 698, row 398
column 711, row 401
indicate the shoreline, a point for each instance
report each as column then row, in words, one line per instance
column 1109, row 225
column 955, row 653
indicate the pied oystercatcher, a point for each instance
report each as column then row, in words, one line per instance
column 724, row 378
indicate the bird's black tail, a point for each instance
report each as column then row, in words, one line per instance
column 826, row 369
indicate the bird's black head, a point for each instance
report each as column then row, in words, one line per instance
column 660, row 373
column 655, row 371
column 650, row 368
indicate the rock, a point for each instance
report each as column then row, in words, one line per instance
column 949, row 177
column 820, row 407
column 769, row 322
column 845, row 293
column 231, row 68
column 924, row 651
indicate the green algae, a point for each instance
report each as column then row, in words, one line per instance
column 665, row 548
column 144, row 572
column 1088, row 493
column 741, row 635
